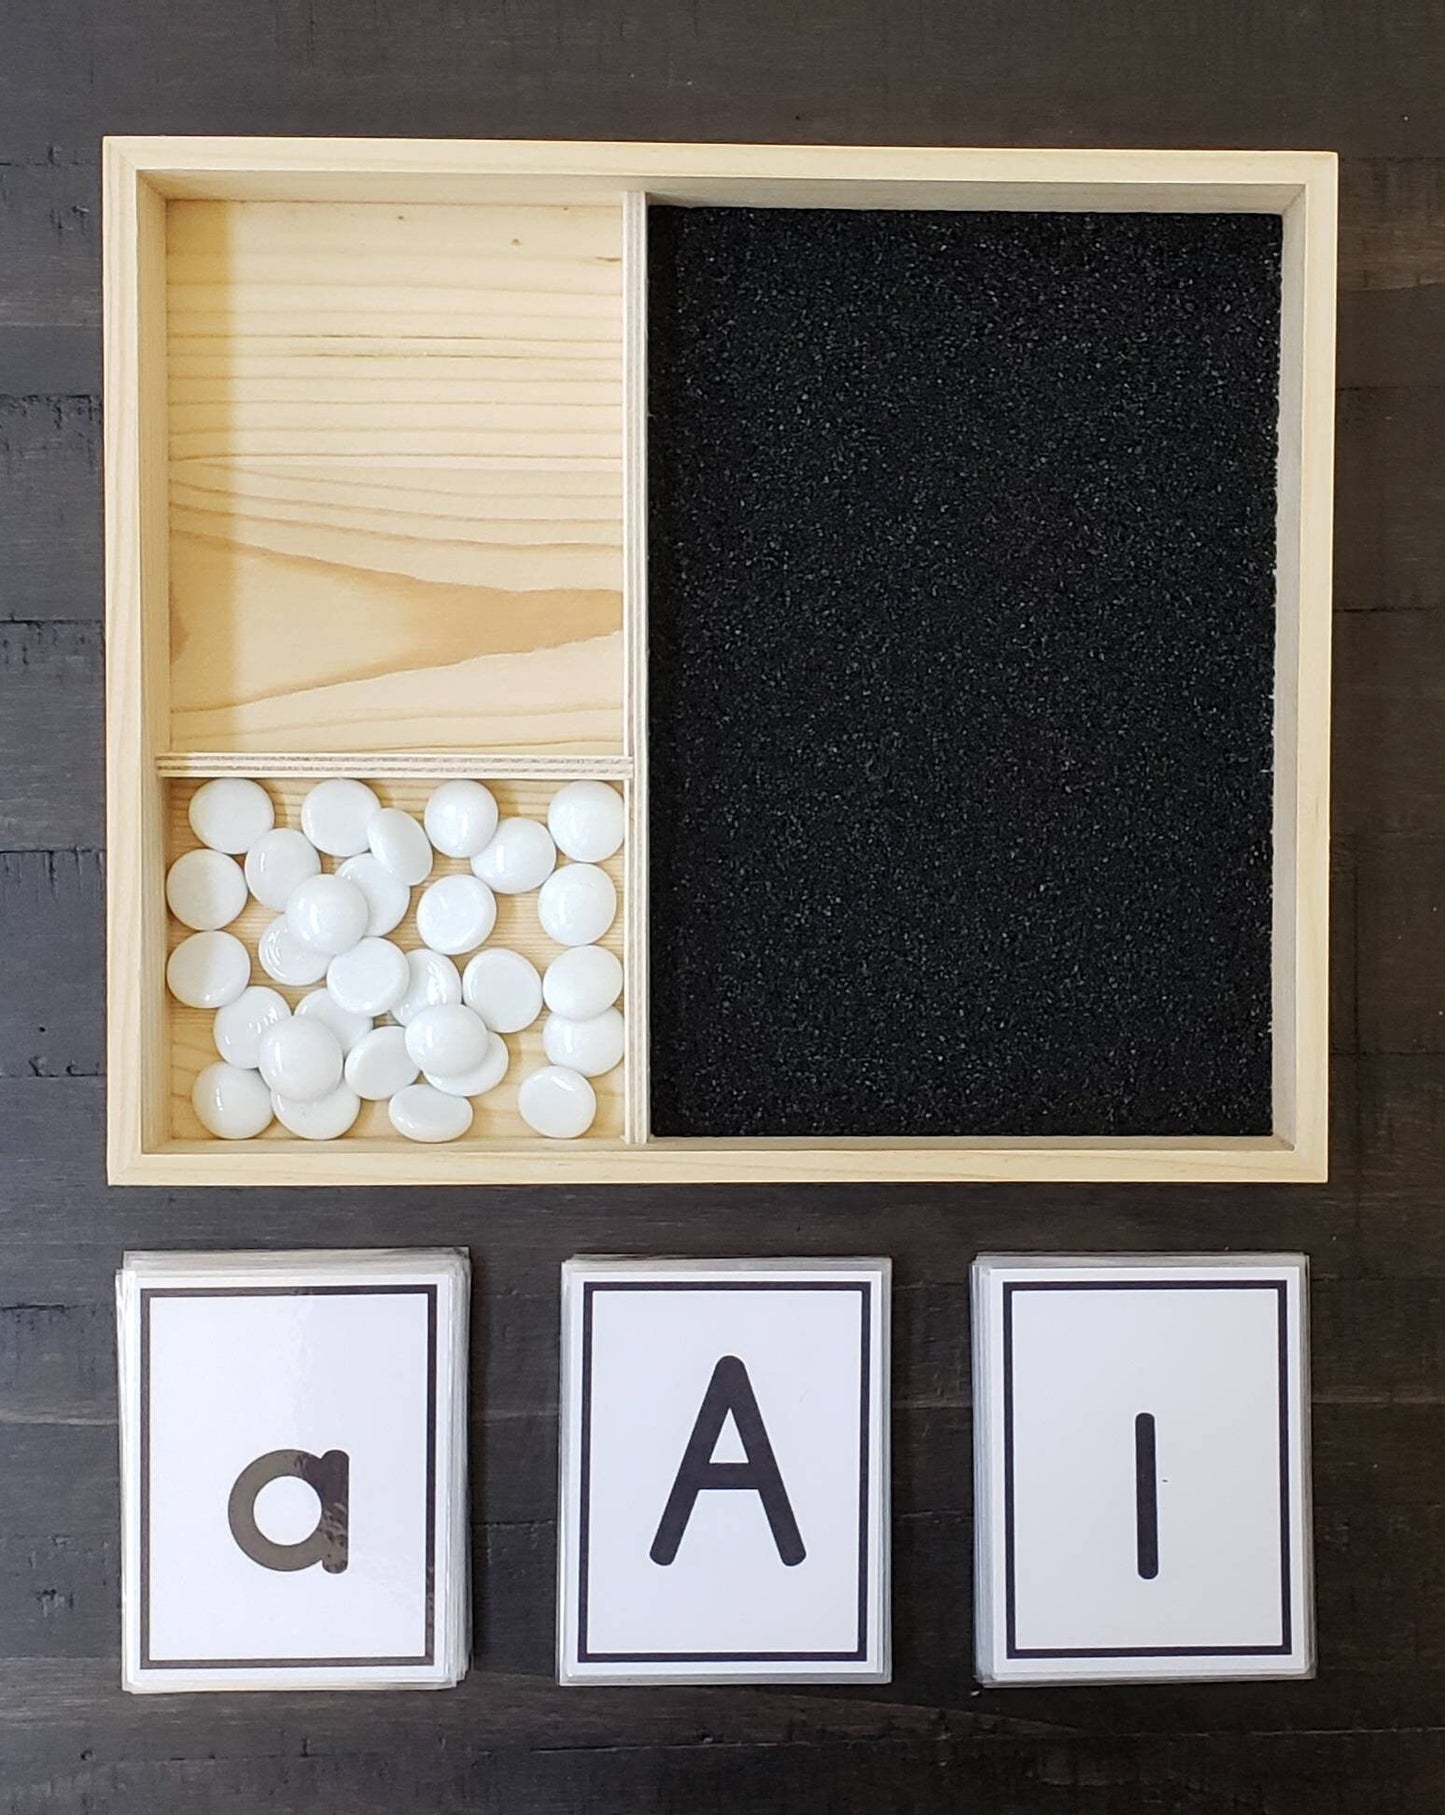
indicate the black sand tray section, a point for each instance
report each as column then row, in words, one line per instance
column 961, row 641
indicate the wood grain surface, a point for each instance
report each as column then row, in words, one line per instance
column 1368, row 1737
column 395, row 476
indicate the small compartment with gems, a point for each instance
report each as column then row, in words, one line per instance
column 372, row 959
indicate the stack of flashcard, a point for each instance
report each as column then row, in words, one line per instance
column 1141, row 1468
column 293, row 1444
column 724, row 1472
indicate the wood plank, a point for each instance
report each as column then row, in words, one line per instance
column 51, row 1012
column 49, row 524
column 1245, row 77
column 1390, row 480
column 51, row 679
column 1389, row 727
column 402, row 526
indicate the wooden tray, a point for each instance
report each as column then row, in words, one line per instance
column 355, row 388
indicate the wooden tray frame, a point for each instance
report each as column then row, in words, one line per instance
column 142, row 175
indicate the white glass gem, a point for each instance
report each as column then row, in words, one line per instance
column 593, row 1047
column 577, row 904
column 503, row 988
column 480, row 1079
column 208, row 970
column 455, row 914
column 327, row 914
column 520, row 857
column 582, row 982
column 398, row 841
column 238, row 1027
column 285, row 959
column 379, row 1065
column 205, row 889
column 323, row 1006
column 318, row 1118
column 369, row 979
column 460, row 818
column 387, row 896
column 276, row 863
column 424, row 1114
column 231, row 1101
column 435, row 981
column 301, row 1058
column 335, row 816
column 557, row 1102
column 587, row 821
column 230, row 813
column 449, row 1039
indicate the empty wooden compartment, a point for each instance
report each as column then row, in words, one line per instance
column 377, row 505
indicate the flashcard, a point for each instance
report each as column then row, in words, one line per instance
column 724, row 1471
column 293, row 1431
column 1142, row 1468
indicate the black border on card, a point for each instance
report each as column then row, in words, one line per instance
column 865, row 1290
column 147, row 1293
column 1280, row 1286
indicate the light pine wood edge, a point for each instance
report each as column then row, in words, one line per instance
column 137, row 656
column 634, row 630
column 1242, row 1160
column 1302, row 673
column 393, row 765
column 416, row 170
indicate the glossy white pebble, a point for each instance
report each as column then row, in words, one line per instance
column 460, row 818
column 455, row 914
column 480, row 1079
column 379, row 1065
column 300, row 1059
column 285, row 959
column 205, row 889
column 577, row 904
column 323, row 1006
column 582, row 982
column 318, row 1118
column 230, row 813
column 208, row 970
column 398, row 841
column 587, row 821
column 335, row 816
column 557, row 1102
column 424, row 1114
column 231, row 1101
column 369, row 979
column 520, row 857
column 593, row 1047
column 449, row 1039
column 387, row 896
column 238, row 1027
column 276, row 863
column 504, row 989
column 327, row 914
column 435, row 981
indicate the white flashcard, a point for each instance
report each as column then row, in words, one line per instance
column 294, row 1499
column 724, row 1472
column 1141, row 1460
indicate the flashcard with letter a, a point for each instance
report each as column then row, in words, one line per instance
column 293, row 1432
column 724, row 1471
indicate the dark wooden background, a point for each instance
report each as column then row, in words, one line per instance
column 1366, row 77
